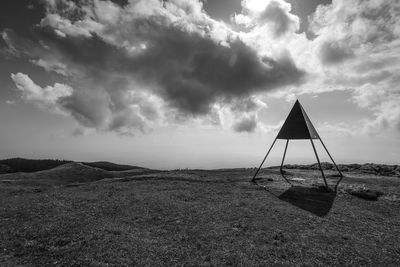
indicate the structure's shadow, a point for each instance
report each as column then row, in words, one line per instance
column 314, row 200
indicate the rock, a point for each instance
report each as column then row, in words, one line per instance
column 324, row 166
column 368, row 168
column 365, row 193
column 348, row 167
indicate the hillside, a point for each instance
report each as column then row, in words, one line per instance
column 61, row 175
column 200, row 218
column 72, row 173
column 109, row 166
column 30, row 165
column 14, row 165
column 5, row 169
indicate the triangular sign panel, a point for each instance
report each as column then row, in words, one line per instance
column 297, row 125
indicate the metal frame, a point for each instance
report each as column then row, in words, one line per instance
column 319, row 163
column 334, row 163
column 284, row 154
column 316, row 155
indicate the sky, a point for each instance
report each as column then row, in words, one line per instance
column 198, row 84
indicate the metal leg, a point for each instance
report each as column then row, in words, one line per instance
column 254, row 177
column 331, row 158
column 283, row 159
column 334, row 163
column 284, row 154
column 319, row 163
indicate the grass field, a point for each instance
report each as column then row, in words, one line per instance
column 200, row 218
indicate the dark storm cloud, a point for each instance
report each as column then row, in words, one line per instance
column 124, row 62
column 85, row 108
column 334, row 53
column 244, row 105
column 246, row 125
column 188, row 70
column 20, row 15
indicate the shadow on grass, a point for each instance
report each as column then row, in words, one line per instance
column 314, row 200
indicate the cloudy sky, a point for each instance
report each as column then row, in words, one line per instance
column 198, row 84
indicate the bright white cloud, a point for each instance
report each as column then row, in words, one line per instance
column 107, row 12
column 271, row 18
column 47, row 97
column 385, row 104
column 357, row 48
column 363, row 54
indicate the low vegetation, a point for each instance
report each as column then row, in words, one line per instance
column 32, row 165
column 29, row 165
column 195, row 217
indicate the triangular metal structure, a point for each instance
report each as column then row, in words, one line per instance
column 299, row 126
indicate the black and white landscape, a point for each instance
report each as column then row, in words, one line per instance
column 156, row 132
column 103, row 214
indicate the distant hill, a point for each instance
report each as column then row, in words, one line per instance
column 109, row 166
column 33, row 165
column 15, row 165
column 29, row 165
column 65, row 174
column 5, row 169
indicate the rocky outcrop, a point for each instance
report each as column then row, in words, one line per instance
column 368, row 168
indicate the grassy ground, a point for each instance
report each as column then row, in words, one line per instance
column 208, row 218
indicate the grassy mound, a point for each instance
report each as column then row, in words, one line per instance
column 61, row 175
column 31, row 165
column 34, row 165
